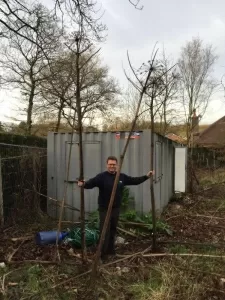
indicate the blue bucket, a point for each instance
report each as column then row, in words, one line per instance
column 49, row 237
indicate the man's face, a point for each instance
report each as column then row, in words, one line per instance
column 111, row 166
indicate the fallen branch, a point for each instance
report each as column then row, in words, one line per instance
column 71, row 222
column 44, row 262
column 210, row 217
column 183, row 254
column 192, row 244
column 22, row 238
column 193, row 216
column 4, row 277
column 127, row 232
column 173, row 217
column 10, row 256
column 135, row 223
column 125, row 257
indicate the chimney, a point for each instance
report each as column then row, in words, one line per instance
column 195, row 122
column 195, row 127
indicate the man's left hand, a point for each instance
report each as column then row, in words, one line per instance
column 151, row 173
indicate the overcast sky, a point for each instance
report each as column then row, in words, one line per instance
column 170, row 23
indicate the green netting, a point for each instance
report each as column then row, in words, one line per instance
column 74, row 237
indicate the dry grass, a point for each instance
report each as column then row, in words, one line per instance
column 176, row 279
column 208, row 177
column 197, row 219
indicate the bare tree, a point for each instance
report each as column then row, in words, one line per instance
column 23, row 61
column 58, row 89
column 87, row 10
column 14, row 16
column 197, row 86
column 129, row 104
column 168, row 98
column 97, row 88
column 55, row 88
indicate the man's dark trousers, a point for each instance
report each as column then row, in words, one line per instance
column 108, row 247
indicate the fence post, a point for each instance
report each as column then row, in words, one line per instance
column 1, row 197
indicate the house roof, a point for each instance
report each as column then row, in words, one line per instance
column 176, row 138
column 214, row 135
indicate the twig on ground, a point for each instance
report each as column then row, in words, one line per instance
column 173, row 217
column 183, row 254
column 7, row 229
column 10, row 256
column 217, row 245
column 127, row 232
column 193, row 216
column 126, row 257
column 135, row 223
column 22, row 238
column 5, row 275
column 48, row 262
column 218, row 208
column 213, row 217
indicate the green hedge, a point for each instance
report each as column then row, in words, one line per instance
column 16, row 139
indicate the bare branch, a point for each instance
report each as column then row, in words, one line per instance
column 132, row 69
column 136, row 4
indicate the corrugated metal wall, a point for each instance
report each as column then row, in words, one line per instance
column 97, row 147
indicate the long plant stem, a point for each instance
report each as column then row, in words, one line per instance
column 98, row 252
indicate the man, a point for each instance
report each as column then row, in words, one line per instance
column 104, row 181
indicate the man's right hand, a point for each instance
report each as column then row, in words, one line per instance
column 81, row 183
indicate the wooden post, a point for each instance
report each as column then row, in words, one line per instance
column 1, row 197
column 35, row 203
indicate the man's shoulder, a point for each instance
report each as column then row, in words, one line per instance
column 102, row 174
column 123, row 175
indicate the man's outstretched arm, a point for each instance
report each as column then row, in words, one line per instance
column 128, row 180
column 91, row 183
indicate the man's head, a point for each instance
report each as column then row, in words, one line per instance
column 111, row 164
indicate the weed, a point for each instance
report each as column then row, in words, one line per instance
column 127, row 199
column 146, row 220
column 179, row 249
column 168, row 282
column 33, row 275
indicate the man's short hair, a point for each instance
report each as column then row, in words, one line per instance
column 111, row 158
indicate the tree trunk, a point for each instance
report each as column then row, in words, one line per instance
column 81, row 163
column 30, row 109
column 59, row 118
column 161, row 125
column 164, row 118
column 151, row 179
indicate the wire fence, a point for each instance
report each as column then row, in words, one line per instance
column 208, row 158
column 23, row 180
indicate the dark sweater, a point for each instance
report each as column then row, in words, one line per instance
column 104, row 181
